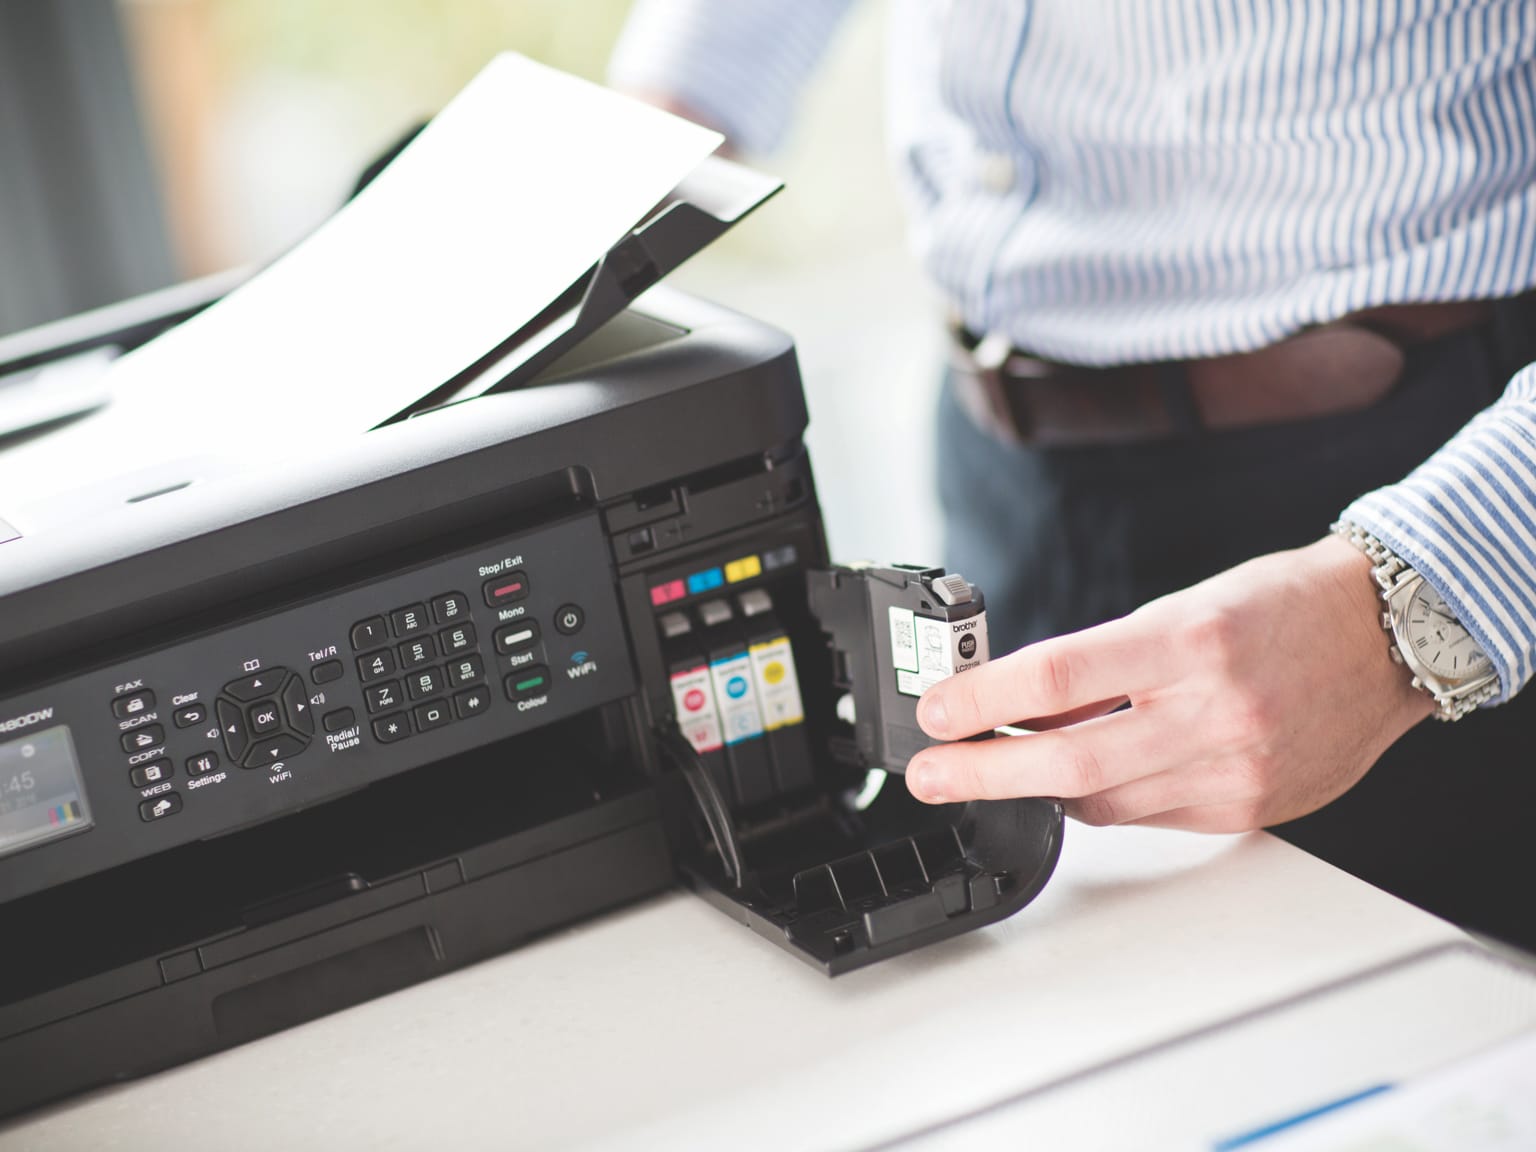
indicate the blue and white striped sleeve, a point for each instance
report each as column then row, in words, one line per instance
column 1466, row 521
column 737, row 63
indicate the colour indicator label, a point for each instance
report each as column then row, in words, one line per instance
column 668, row 592
column 744, row 569
column 704, row 581
column 61, row 814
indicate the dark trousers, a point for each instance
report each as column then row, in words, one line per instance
column 1061, row 539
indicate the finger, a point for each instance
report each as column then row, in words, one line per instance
column 1245, row 816
column 1141, row 800
column 1045, row 679
column 1077, row 761
column 1076, row 715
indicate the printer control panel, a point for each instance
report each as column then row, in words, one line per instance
column 242, row 723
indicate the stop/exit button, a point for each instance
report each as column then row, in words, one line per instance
column 569, row 619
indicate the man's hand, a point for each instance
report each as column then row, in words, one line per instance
column 1255, row 697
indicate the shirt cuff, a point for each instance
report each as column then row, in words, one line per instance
column 1465, row 520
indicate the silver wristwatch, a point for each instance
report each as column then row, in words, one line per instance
column 1425, row 634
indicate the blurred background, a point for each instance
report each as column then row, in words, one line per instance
column 145, row 141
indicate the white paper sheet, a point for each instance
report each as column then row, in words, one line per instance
column 1483, row 1104
column 517, row 187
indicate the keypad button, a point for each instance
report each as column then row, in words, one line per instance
column 152, row 773
column 427, row 682
column 297, row 713
column 529, row 682
column 375, row 666
column 452, row 641
column 142, row 738
column 159, row 807
column 134, row 704
column 271, row 750
column 382, row 697
column 326, row 671
column 395, row 726
column 252, row 688
column 472, row 702
column 432, row 714
column 339, row 719
column 465, row 671
column 409, row 620
column 450, row 609
column 569, row 618
column 265, row 717
column 514, row 637
column 237, row 734
column 190, row 715
column 369, row 633
column 507, row 589
column 202, row 764
column 415, row 653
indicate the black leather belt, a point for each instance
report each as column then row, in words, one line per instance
column 1339, row 367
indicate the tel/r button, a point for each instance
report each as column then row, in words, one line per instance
column 326, row 671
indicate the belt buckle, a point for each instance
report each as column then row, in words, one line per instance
column 989, row 402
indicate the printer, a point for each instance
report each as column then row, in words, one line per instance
column 285, row 739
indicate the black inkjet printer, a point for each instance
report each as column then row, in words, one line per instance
column 560, row 635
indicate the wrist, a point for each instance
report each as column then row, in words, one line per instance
column 1344, row 573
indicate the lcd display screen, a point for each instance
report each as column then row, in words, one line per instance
column 41, row 795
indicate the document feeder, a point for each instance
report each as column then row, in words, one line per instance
column 538, row 647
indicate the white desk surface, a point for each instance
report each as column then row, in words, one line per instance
column 668, row 1025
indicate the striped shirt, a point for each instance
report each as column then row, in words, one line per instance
column 1115, row 181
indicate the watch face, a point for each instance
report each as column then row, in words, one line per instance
column 1438, row 641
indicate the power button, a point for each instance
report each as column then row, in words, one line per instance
column 568, row 619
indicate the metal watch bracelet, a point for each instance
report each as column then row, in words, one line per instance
column 1387, row 569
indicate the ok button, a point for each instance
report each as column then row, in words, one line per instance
column 265, row 716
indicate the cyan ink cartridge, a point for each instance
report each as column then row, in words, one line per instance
column 741, row 718
column 894, row 632
column 778, row 691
